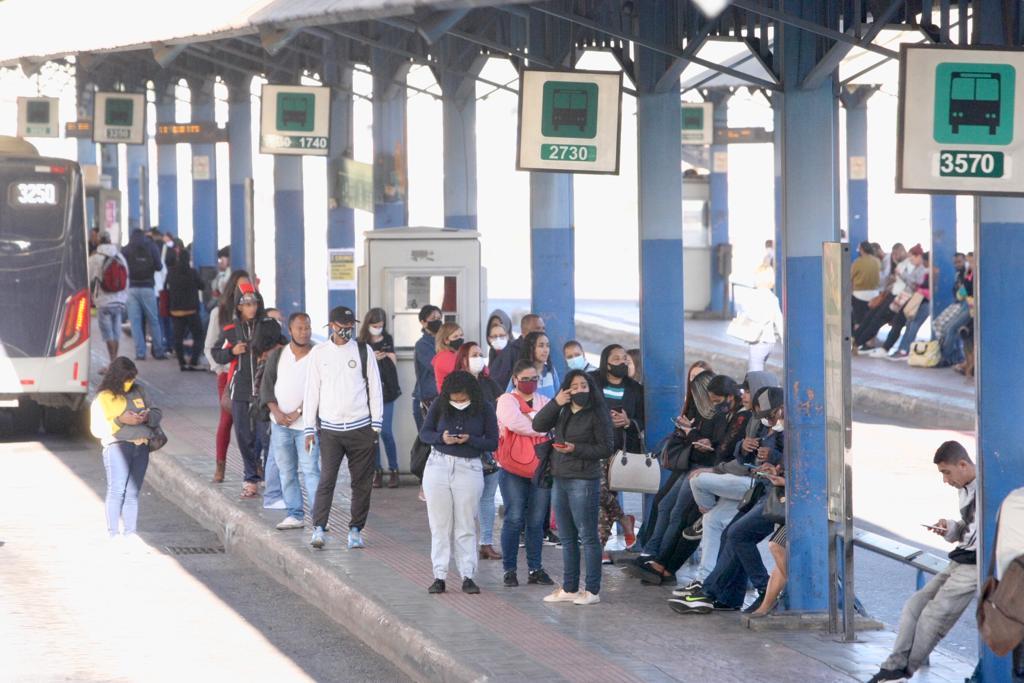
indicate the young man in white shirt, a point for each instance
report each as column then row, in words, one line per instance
column 345, row 403
column 282, row 391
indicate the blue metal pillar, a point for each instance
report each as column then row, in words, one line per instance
column 776, row 99
column 86, row 147
column 137, row 157
column 718, row 188
column 390, row 150
column 459, row 113
column 998, row 240
column 204, row 190
column 167, row 163
column 855, row 99
column 109, row 163
column 289, row 235
column 341, row 220
column 239, row 164
column 553, row 257
column 810, row 216
column 660, row 200
column 943, row 212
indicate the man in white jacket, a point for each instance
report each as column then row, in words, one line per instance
column 344, row 402
column 111, row 306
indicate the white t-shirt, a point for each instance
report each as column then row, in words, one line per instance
column 291, row 384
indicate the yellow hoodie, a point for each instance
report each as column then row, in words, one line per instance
column 103, row 414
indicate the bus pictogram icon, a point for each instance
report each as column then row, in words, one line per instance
column 569, row 109
column 974, row 103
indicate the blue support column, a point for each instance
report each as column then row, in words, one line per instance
column 943, row 210
column 167, row 164
column 137, row 157
column 239, row 165
column 810, row 206
column 289, row 235
column 777, row 185
column 204, row 190
column 459, row 113
column 553, row 258
column 855, row 99
column 341, row 221
column 998, row 240
column 86, row 147
column 109, row 163
column 390, row 150
column 718, row 188
column 660, row 200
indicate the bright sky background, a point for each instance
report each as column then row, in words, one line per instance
column 605, row 206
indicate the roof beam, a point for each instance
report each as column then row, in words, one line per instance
column 164, row 54
column 830, row 62
column 273, row 40
column 437, row 24
column 671, row 76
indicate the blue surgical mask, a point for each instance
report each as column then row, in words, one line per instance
column 577, row 363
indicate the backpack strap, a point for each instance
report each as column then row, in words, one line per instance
column 364, row 357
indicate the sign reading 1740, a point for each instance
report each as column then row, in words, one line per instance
column 295, row 120
column 960, row 131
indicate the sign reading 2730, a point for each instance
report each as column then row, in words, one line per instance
column 960, row 129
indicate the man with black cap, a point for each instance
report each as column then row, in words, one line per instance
column 344, row 402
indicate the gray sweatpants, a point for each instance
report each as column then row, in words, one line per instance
column 930, row 613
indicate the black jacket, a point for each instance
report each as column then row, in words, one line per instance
column 490, row 389
column 244, row 376
column 143, row 257
column 632, row 402
column 183, row 286
column 501, row 371
column 388, row 371
column 589, row 433
column 481, row 426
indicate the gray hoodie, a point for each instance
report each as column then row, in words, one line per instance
column 96, row 264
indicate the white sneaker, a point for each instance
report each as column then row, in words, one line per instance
column 587, row 598
column 276, row 505
column 290, row 522
column 560, row 595
column 877, row 352
column 355, row 539
column 318, row 537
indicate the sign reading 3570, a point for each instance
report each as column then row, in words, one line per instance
column 295, row 119
column 961, row 121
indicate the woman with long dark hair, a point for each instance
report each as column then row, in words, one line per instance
column 374, row 333
column 460, row 427
column 536, row 349
column 582, row 429
column 183, row 287
column 123, row 420
column 225, row 311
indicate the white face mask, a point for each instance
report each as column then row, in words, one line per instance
column 765, row 422
column 779, row 426
column 499, row 343
column 377, row 330
column 460, row 405
column 477, row 364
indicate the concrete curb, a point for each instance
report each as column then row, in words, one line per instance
column 408, row 647
column 920, row 410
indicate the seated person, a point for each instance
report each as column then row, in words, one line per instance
column 933, row 610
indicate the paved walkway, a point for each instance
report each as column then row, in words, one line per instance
column 502, row 634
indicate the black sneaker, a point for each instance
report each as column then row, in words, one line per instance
column 692, row 604
column 643, row 571
column 552, row 539
column 436, row 587
column 540, row 576
column 722, row 607
column 890, row 675
column 469, row 587
column 693, row 586
column 695, row 531
column 511, row 580
column 758, row 601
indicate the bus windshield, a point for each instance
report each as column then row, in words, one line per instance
column 32, row 209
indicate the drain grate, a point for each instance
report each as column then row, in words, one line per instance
column 193, row 550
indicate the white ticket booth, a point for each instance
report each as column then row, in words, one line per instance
column 406, row 269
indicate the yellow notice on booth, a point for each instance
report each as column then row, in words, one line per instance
column 341, row 269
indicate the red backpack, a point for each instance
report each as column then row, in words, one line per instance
column 115, row 275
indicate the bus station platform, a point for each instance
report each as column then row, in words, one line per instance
column 379, row 593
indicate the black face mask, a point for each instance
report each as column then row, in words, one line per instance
column 433, row 326
column 722, row 408
column 582, row 399
column 620, row 371
column 456, row 343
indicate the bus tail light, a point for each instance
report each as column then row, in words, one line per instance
column 75, row 330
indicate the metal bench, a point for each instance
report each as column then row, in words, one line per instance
column 921, row 560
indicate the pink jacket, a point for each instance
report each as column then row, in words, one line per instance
column 511, row 417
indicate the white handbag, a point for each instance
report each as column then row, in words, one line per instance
column 634, row 472
column 743, row 328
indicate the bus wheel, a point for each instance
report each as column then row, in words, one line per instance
column 26, row 418
column 58, row 421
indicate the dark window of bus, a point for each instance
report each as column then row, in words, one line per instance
column 34, row 208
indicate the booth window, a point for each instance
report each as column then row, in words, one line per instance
column 413, row 292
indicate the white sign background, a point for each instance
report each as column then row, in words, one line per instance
column 609, row 122
column 706, row 135
column 321, row 118
column 133, row 134
column 918, row 152
column 51, row 129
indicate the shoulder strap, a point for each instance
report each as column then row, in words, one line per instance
column 364, row 358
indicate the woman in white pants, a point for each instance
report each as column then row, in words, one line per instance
column 459, row 428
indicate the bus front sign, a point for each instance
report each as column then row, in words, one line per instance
column 960, row 130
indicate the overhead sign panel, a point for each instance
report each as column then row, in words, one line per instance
column 569, row 121
column 295, row 119
column 196, row 133
column 119, row 117
column 698, row 123
column 37, row 117
column 961, row 123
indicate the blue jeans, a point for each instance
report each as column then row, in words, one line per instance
column 525, row 505
column 142, row 307
column 417, row 414
column 670, row 517
column 952, row 352
column 110, row 319
column 576, row 503
column 125, row 464
column 288, row 452
column 387, row 435
column 739, row 559
column 914, row 326
column 487, row 510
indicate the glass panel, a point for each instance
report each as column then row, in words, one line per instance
column 413, row 292
column 695, row 228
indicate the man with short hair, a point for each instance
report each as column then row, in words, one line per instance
column 110, row 302
column 344, row 401
column 282, row 391
column 143, row 258
column 933, row 610
column 575, row 358
column 865, row 274
column 501, row 371
column 425, row 391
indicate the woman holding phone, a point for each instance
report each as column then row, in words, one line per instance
column 122, row 418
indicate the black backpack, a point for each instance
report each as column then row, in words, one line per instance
column 140, row 262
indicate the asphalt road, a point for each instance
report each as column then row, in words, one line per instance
column 78, row 606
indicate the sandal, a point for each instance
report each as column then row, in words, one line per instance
column 249, row 490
